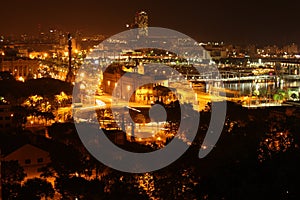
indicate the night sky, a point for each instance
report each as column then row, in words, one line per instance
column 261, row 22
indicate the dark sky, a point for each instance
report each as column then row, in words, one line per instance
column 256, row 21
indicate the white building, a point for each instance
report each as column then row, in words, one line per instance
column 31, row 158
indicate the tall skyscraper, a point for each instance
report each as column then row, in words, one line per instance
column 141, row 22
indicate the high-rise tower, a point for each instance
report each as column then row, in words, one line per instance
column 141, row 22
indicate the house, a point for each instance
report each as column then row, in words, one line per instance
column 31, row 158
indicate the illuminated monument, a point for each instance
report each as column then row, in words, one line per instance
column 70, row 78
column 141, row 21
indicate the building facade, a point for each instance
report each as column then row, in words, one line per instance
column 21, row 69
column 132, row 86
column 31, row 158
column 141, row 22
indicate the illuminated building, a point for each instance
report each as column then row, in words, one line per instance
column 141, row 22
column 146, row 94
column 291, row 49
column 21, row 69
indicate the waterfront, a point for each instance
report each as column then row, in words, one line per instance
column 247, row 89
column 224, row 89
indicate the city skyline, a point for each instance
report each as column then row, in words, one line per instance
column 260, row 22
column 201, row 102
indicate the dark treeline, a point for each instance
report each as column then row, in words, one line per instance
column 47, row 87
column 257, row 157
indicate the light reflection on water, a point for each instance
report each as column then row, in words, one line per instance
column 248, row 88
